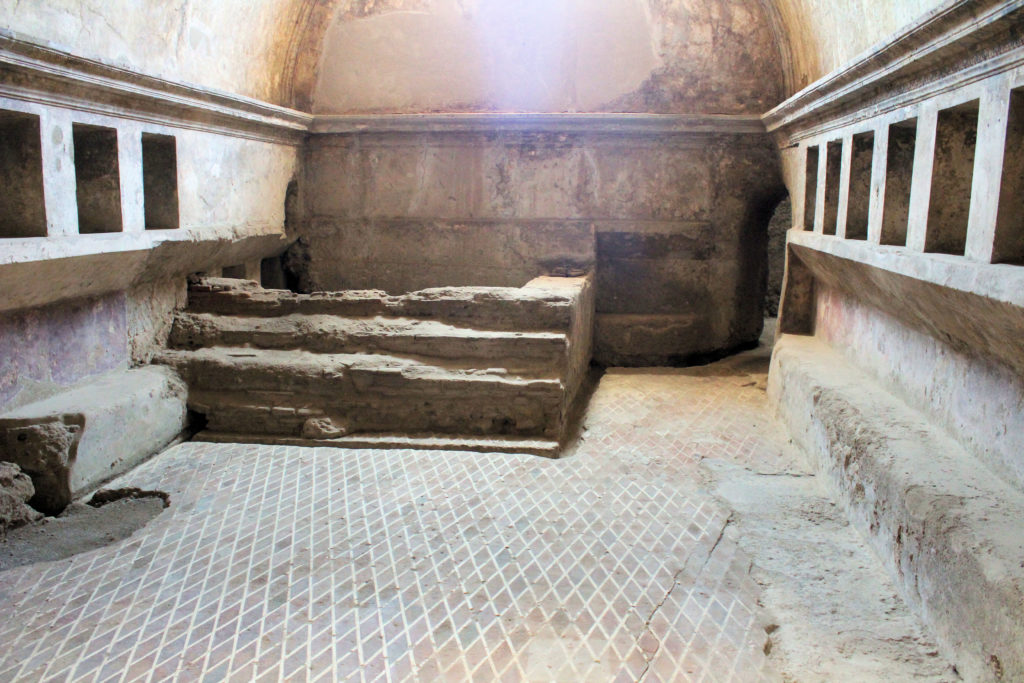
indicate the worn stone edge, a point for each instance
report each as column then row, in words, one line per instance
column 999, row 282
column 564, row 123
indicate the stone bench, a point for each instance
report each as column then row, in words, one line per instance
column 73, row 441
column 948, row 529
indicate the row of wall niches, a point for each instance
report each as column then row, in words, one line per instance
column 97, row 178
column 888, row 186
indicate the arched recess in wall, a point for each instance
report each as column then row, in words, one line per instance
column 638, row 56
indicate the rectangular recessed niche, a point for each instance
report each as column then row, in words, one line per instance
column 97, row 179
column 1009, row 240
column 160, row 181
column 22, row 209
column 859, row 204
column 833, row 173
column 899, row 173
column 237, row 272
column 811, row 188
column 952, row 178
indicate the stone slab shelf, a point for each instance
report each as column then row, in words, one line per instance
column 42, row 270
column 955, row 298
column 492, row 369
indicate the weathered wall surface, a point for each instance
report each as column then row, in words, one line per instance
column 427, row 55
column 664, row 56
column 976, row 402
column 51, row 348
column 676, row 225
column 201, row 43
column 77, row 304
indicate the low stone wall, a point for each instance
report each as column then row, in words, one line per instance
column 675, row 222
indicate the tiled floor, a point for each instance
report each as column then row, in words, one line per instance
column 281, row 563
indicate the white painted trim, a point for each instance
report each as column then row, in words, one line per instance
column 999, row 282
column 44, row 75
column 938, row 38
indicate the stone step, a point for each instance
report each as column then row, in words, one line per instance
column 421, row 442
column 286, row 392
column 544, row 304
column 522, row 353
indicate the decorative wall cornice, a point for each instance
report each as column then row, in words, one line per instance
column 598, row 124
column 45, row 75
column 962, row 41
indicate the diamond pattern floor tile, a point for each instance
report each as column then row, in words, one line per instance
column 283, row 563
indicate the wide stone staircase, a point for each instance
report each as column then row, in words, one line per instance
column 493, row 369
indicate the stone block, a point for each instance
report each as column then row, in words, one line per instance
column 15, row 491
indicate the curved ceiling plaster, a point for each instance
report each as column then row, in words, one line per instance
column 245, row 47
column 825, row 35
column 661, row 56
column 727, row 56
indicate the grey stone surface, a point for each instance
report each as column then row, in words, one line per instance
column 945, row 528
column 782, row 221
column 674, row 227
column 348, row 368
column 15, row 491
column 75, row 440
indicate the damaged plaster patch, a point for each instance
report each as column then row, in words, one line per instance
column 358, row 9
column 108, row 517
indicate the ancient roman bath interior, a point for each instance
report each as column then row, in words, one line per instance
column 427, row 340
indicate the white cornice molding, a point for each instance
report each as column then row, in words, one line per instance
column 599, row 124
column 45, row 75
column 940, row 39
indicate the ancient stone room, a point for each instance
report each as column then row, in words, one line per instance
column 512, row 340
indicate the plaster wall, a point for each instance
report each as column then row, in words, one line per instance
column 75, row 306
column 664, row 56
column 52, row 348
column 202, row 43
column 825, row 35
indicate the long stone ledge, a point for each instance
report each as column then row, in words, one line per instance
column 951, row 298
column 947, row 529
column 596, row 123
column 41, row 270
column 74, row 441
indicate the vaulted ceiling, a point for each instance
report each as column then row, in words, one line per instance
column 712, row 56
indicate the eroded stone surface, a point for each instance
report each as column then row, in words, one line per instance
column 946, row 529
column 46, row 452
column 15, row 491
column 674, row 228
column 346, row 366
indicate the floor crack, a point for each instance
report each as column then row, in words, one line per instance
column 649, row 657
